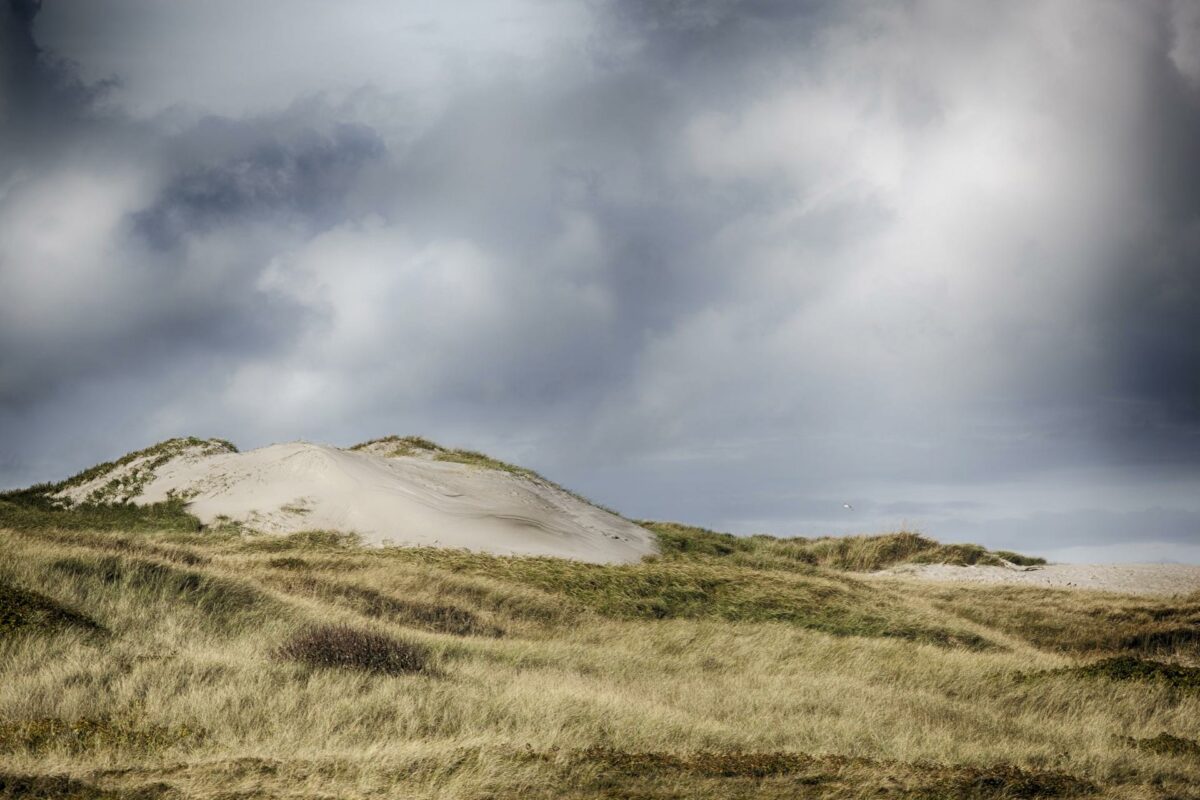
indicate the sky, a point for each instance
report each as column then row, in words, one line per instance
column 737, row 264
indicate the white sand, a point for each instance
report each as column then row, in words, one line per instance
column 398, row 500
column 1143, row 579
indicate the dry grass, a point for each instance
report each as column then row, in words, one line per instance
column 693, row 676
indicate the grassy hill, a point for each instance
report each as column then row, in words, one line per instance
column 147, row 660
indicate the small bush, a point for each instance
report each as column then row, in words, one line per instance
column 343, row 647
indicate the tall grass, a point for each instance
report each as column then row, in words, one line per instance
column 590, row 692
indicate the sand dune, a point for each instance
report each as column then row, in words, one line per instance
column 411, row 499
column 1142, row 579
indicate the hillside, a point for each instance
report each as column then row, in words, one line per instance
column 146, row 655
column 390, row 491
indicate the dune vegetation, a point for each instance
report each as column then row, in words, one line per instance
column 142, row 657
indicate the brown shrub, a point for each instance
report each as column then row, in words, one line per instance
column 343, row 647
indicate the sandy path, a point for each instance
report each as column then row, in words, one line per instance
column 1141, row 579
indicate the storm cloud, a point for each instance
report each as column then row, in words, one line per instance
column 733, row 263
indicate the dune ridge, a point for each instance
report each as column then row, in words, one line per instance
column 385, row 494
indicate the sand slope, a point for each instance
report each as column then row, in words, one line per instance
column 401, row 500
column 1143, row 579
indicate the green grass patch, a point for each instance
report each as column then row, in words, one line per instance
column 304, row 541
column 1128, row 668
column 64, row 787
column 24, row 610
column 1065, row 621
column 679, row 590
column 851, row 553
column 1020, row 560
column 435, row 617
column 218, row 600
column 399, row 446
column 42, row 734
column 1167, row 745
column 31, row 513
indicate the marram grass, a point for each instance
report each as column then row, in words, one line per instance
column 215, row 664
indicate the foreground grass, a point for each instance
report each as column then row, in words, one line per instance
column 212, row 664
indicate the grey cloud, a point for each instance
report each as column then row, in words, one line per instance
column 728, row 262
column 306, row 179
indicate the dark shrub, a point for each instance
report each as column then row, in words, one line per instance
column 340, row 646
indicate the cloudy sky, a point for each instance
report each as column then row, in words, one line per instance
column 731, row 263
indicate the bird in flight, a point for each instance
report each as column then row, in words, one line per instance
column 847, row 506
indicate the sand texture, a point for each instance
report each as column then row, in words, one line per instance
column 388, row 500
column 1143, row 579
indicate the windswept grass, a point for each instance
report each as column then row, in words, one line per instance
column 853, row 553
column 28, row 513
column 1128, row 668
column 1064, row 621
column 242, row 666
column 824, row 602
column 24, row 611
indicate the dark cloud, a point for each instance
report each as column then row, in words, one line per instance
column 731, row 262
column 305, row 180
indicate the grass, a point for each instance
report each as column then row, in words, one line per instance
column 1129, row 668
column 417, row 446
column 22, row 610
column 853, row 553
column 408, row 446
column 308, row 666
column 1058, row 622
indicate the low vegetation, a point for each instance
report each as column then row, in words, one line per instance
column 166, row 661
column 345, row 647
column 22, row 610
column 1129, row 668
column 854, row 553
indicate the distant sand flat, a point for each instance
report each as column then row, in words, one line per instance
column 1142, row 579
column 389, row 499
